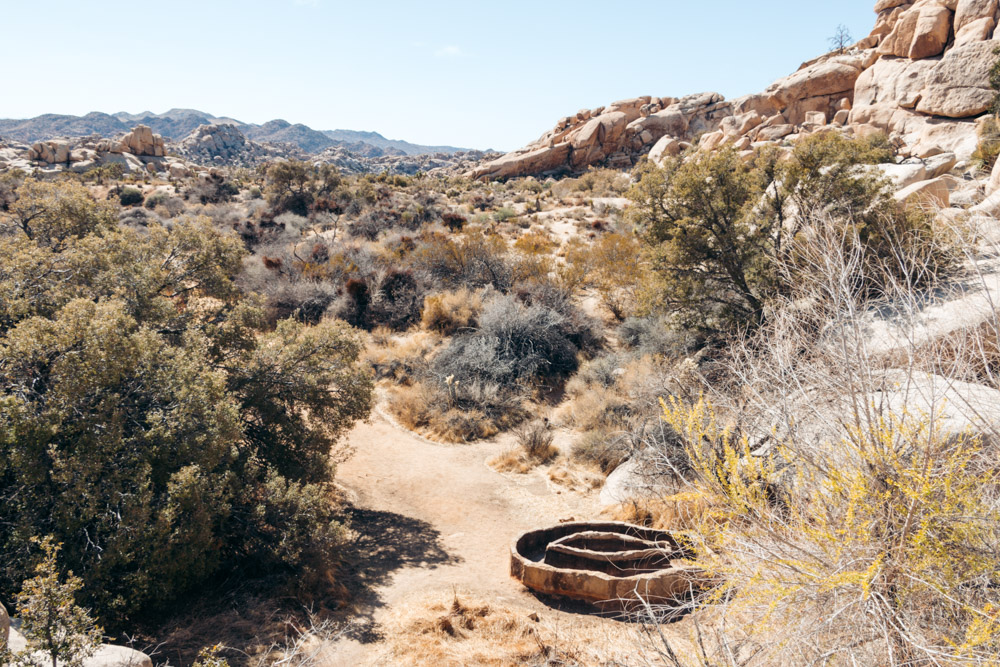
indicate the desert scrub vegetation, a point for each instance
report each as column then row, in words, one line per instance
column 533, row 447
column 844, row 497
column 477, row 383
column 153, row 421
column 727, row 236
column 889, row 529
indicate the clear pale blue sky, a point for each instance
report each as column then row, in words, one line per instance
column 479, row 74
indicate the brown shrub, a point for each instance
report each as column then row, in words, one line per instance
column 449, row 312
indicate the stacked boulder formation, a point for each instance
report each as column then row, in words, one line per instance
column 921, row 76
column 222, row 145
column 140, row 141
column 137, row 150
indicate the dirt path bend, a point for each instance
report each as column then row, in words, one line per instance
column 437, row 518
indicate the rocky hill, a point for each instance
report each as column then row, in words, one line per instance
column 176, row 124
column 921, row 76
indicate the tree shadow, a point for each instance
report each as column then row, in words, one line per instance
column 248, row 613
column 385, row 543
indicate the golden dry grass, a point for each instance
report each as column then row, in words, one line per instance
column 682, row 511
column 462, row 631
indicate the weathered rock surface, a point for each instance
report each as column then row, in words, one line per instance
column 958, row 85
column 930, row 194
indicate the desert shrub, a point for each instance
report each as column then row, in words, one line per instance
column 656, row 335
column 156, row 199
column 213, row 188
column 398, row 299
column 454, row 221
column 988, row 147
column 296, row 187
column 391, row 299
column 404, row 362
column 534, row 447
column 514, row 343
column 473, row 259
column 450, row 312
column 726, row 235
column 372, row 223
column 151, row 420
column 864, row 532
column 137, row 217
column 602, row 371
column 603, row 449
column 504, row 214
column 535, row 438
column 130, row 196
column 51, row 621
column 614, row 265
column 535, row 242
column 456, row 411
column 50, row 213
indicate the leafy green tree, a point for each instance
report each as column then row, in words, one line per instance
column 50, row 618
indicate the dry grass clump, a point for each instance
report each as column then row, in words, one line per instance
column 450, row 312
column 435, row 413
column 534, row 448
column 574, row 478
column 465, row 632
column 402, row 361
column 681, row 511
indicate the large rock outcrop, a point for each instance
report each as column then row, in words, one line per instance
column 140, row 142
column 921, row 76
column 221, row 144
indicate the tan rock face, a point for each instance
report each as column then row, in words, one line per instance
column 919, row 32
column 969, row 11
column 921, row 77
column 958, row 85
column 929, row 194
column 976, row 31
column 898, row 81
column 140, row 141
column 52, row 151
column 826, row 78
column 932, row 31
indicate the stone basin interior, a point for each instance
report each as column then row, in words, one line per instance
column 611, row 553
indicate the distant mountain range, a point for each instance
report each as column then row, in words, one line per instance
column 176, row 124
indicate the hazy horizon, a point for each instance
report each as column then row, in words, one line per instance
column 441, row 73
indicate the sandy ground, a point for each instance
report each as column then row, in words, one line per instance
column 439, row 519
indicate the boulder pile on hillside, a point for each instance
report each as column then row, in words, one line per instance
column 224, row 145
column 921, row 76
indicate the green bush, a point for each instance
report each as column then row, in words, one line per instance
column 156, row 199
column 988, row 148
column 130, row 196
column 150, row 419
column 726, row 236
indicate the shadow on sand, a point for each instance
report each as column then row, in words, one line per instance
column 385, row 543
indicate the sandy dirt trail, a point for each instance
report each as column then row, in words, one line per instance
column 436, row 518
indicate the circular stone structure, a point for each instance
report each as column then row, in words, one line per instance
column 609, row 564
